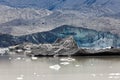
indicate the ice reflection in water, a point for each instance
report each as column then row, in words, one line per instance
column 84, row 68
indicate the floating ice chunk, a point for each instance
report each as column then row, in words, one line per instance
column 114, row 74
column 110, row 77
column 19, row 50
column 10, row 58
column 55, row 67
column 19, row 58
column 115, row 77
column 91, row 64
column 38, row 75
column 65, row 63
column 117, row 74
column 20, row 77
column 67, row 59
column 109, row 47
column 3, row 51
column 94, row 75
column 34, row 58
column 34, row 73
column 77, row 65
column 28, row 51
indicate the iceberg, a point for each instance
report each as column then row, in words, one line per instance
column 66, row 46
column 62, row 47
column 55, row 67
column 3, row 51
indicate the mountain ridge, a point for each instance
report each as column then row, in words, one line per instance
column 62, row 4
column 44, row 15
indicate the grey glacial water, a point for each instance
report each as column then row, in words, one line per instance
column 59, row 68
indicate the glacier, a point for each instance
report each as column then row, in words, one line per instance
column 84, row 37
column 61, row 47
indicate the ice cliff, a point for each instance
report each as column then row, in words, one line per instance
column 84, row 37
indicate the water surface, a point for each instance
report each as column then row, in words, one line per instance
column 59, row 68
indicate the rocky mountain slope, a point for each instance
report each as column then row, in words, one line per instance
column 22, row 17
column 63, row 4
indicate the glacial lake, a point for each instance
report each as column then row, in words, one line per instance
column 59, row 68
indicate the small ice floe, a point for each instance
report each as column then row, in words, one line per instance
column 114, row 74
column 91, row 64
column 77, row 65
column 35, row 73
column 20, row 77
column 3, row 51
column 67, row 59
column 19, row 50
column 109, row 47
column 55, row 67
column 64, row 63
column 28, row 51
column 10, row 58
column 18, row 58
column 94, row 75
column 114, row 77
column 34, row 58
column 110, row 77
